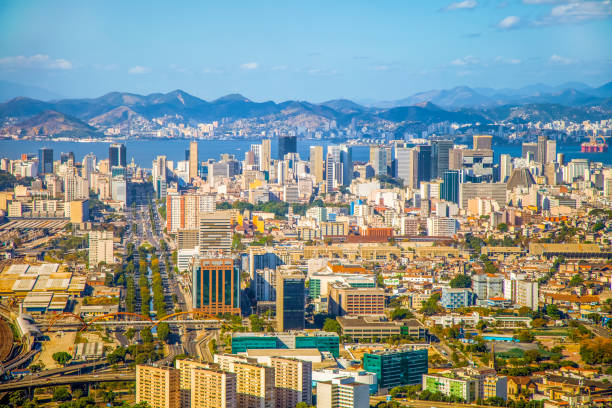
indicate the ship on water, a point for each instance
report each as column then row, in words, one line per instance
column 596, row 144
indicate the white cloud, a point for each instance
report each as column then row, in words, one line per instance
column 557, row 59
column 511, row 61
column 576, row 12
column 40, row 61
column 249, row 66
column 541, row 1
column 280, row 68
column 509, row 22
column 139, row 70
column 467, row 60
column 321, row 72
column 215, row 71
column 461, row 5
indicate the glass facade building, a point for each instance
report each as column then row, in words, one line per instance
column 397, row 367
column 216, row 286
column 286, row 144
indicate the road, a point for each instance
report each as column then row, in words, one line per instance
column 599, row 331
column 68, row 379
column 425, row 404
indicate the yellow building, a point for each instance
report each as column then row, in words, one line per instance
column 211, row 388
column 293, row 381
column 157, row 386
column 186, row 368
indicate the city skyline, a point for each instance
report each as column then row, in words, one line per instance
column 278, row 51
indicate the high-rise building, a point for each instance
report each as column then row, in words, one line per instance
column 157, row 386
column 255, row 385
column 186, row 368
column 403, row 164
column 116, row 155
column 65, row 157
column 100, row 248
column 292, row 380
column 45, row 160
column 551, row 151
column 495, row 191
column 505, row 167
column 290, row 301
column 216, row 286
column 440, row 151
column 212, row 388
column 483, row 142
column 266, row 154
column 396, row 367
column 378, row 159
column 441, row 226
column 184, row 211
column 449, row 190
column 286, row 144
column 424, row 163
column 529, row 148
column 342, row 392
column 215, row 232
column 89, row 165
column 316, row 163
column 542, row 144
column 193, row 160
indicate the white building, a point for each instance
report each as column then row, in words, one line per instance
column 101, row 248
column 342, row 393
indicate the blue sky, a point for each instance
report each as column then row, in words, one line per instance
column 310, row 50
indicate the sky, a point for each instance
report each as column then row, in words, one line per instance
column 307, row 50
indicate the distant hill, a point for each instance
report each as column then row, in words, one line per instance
column 462, row 105
column 10, row 90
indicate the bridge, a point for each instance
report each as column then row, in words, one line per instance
column 67, row 380
column 138, row 323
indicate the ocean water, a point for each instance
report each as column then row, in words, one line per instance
column 144, row 151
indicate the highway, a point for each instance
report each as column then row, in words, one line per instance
column 65, row 380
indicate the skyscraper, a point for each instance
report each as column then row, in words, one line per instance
column 289, row 302
column 402, row 158
column 505, row 167
column 193, row 160
column 551, row 151
column 66, row 156
column 529, row 148
column 286, row 144
column 541, row 156
column 424, row 163
column 316, row 162
column 116, row 155
column 450, row 186
column 215, row 232
column 266, row 154
column 293, row 381
column 89, row 165
column 440, row 157
column 216, row 286
column 45, row 160
column 483, row 142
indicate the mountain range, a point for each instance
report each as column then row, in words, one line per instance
column 86, row 117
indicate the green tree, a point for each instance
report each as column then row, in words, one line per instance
column 400, row 314
column 146, row 336
column 61, row 394
column 332, row 325
column 576, row 280
column 461, row 281
column 525, row 336
column 17, row 398
column 553, row 311
column 163, row 331
column 130, row 333
column 61, row 357
column 503, row 227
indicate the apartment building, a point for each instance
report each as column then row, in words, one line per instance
column 157, row 386
column 345, row 300
column 101, row 248
column 342, row 392
column 186, row 368
column 293, row 381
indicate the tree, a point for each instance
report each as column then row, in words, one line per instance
column 62, row 394
column 596, row 351
column 130, row 333
column 430, row 306
column 576, row 280
column 400, row 314
column 503, row 227
column 461, row 281
column 146, row 336
column 17, row 398
column 525, row 336
column 163, row 331
column 537, row 323
column 553, row 311
column 61, row 357
column 332, row 326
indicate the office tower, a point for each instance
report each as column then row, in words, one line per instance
column 157, row 386
column 440, row 151
column 253, row 156
column 450, row 186
column 343, row 392
column 403, row 163
column 483, row 142
column 441, row 226
column 346, row 158
column 505, row 167
column 607, row 184
column 453, row 298
column 215, row 232
column 345, row 300
column 89, row 165
column 494, row 191
column 528, row 148
column 487, row 286
column 119, row 189
column 397, row 367
column 293, row 381
column 212, row 388
column 286, row 144
column 193, row 160
column 216, row 286
column 316, row 163
column 330, row 173
column 551, row 151
column 424, row 163
column 254, row 384
column 184, row 211
column 116, row 155
column 290, row 301
column 45, row 160
column 378, row 159
column 65, row 157
column 541, row 153
column 266, row 154
column 100, row 248
column 561, row 159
